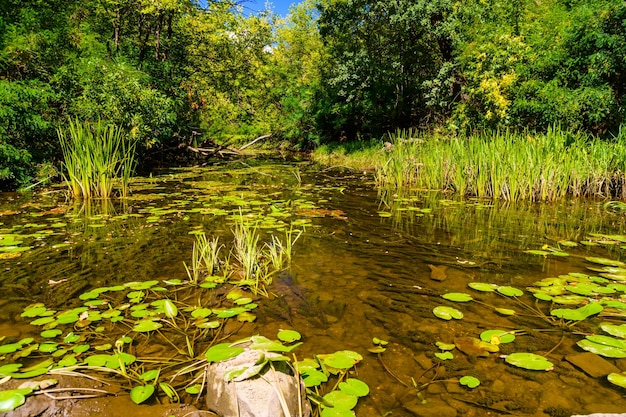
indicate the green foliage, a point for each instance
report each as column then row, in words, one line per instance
column 96, row 155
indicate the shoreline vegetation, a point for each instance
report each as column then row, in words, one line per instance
column 499, row 165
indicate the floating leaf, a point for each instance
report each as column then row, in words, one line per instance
column 147, row 326
column 48, row 334
column 482, row 286
column 340, row 360
column 246, row 317
column 11, row 399
column 469, row 381
column 579, row 313
column 445, row 346
column 510, row 291
column 201, row 312
column 170, row 308
column 605, row 261
column 313, row 377
column 537, row 252
column 222, row 352
column 447, row 313
column 340, row 400
column 195, row 389
column 444, row 355
column 289, row 336
column 500, row 336
column 150, row 375
column 614, row 329
column 458, row 297
column 529, row 361
column 505, row 311
column 355, row 387
column 601, row 349
column 617, row 379
column 141, row 393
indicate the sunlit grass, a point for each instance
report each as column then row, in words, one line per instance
column 97, row 157
column 507, row 166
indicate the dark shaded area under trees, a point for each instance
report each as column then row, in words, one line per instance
column 175, row 74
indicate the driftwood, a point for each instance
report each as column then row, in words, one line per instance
column 224, row 149
column 255, row 141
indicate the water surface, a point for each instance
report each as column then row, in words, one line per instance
column 368, row 264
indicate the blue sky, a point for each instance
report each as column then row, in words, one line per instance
column 280, row 7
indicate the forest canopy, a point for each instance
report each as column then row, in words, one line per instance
column 172, row 72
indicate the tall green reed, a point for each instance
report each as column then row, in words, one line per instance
column 96, row 156
column 506, row 165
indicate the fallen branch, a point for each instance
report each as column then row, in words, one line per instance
column 255, row 141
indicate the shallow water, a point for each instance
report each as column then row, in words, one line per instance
column 366, row 266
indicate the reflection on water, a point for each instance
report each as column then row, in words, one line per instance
column 367, row 266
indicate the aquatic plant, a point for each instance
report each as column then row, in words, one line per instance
column 96, row 155
column 508, row 166
column 94, row 339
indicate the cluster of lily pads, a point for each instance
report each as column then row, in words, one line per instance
column 572, row 298
column 99, row 335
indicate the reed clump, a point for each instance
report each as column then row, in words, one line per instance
column 507, row 166
column 98, row 157
column 249, row 263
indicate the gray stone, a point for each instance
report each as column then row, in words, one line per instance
column 592, row 364
column 275, row 393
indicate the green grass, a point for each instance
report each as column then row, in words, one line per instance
column 97, row 157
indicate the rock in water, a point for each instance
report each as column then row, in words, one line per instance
column 276, row 392
column 438, row 272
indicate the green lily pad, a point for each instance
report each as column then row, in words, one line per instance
column 146, row 326
column 614, row 329
column 579, row 313
column 601, row 349
column 458, row 297
column 529, row 361
column 498, row 336
column 617, row 379
column 605, row 261
column 445, row 346
column 444, row 356
column 355, row 387
column 11, row 399
column 340, row 360
column 340, row 400
column 195, row 389
column 222, row 352
column 482, row 286
column 313, row 377
column 48, row 334
column 81, row 348
column 141, row 393
column 289, row 336
column 510, row 291
column 505, row 311
column 447, row 313
column 469, row 381
column 201, row 312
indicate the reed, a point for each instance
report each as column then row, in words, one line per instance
column 506, row 165
column 96, row 157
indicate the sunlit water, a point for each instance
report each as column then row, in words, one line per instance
column 365, row 267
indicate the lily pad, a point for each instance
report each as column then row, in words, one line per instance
column 469, row 381
column 289, row 336
column 222, row 352
column 482, row 286
column 141, row 393
column 510, row 291
column 496, row 337
column 617, row 379
column 444, row 356
column 147, row 326
column 341, row 400
column 605, row 261
column 447, row 313
column 11, row 399
column 458, row 297
column 529, row 361
column 313, row 377
column 601, row 349
column 355, row 387
column 579, row 313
